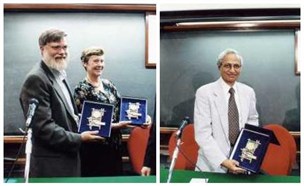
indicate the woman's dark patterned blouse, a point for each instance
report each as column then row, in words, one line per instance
column 86, row 91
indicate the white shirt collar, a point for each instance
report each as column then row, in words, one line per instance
column 226, row 87
column 61, row 75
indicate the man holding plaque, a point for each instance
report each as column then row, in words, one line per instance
column 55, row 141
column 221, row 109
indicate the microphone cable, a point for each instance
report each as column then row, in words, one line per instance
column 188, row 159
column 17, row 157
column 191, row 162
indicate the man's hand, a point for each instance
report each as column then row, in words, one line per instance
column 233, row 166
column 90, row 136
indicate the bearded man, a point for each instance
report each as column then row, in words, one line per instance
column 55, row 141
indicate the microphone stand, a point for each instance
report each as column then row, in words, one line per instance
column 174, row 157
column 33, row 103
column 28, row 151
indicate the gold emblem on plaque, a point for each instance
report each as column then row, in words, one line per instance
column 132, row 112
column 96, row 118
column 248, row 151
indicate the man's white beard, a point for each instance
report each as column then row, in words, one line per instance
column 57, row 64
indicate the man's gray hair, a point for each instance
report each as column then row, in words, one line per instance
column 226, row 52
column 51, row 35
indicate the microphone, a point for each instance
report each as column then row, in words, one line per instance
column 33, row 103
column 184, row 122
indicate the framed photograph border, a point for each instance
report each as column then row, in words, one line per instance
column 297, row 61
column 150, row 54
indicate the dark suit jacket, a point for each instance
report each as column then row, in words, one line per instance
column 56, row 143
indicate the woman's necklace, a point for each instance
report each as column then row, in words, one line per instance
column 97, row 85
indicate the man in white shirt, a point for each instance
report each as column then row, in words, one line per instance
column 212, row 115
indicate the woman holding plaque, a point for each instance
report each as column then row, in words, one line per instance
column 100, row 158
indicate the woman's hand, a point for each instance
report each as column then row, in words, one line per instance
column 145, row 171
column 121, row 124
column 148, row 121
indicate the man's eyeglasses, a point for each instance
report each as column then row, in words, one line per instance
column 229, row 66
column 58, row 47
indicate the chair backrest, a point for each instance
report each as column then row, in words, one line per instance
column 279, row 159
column 285, row 139
column 137, row 144
column 276, row 160
column 188, row 152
